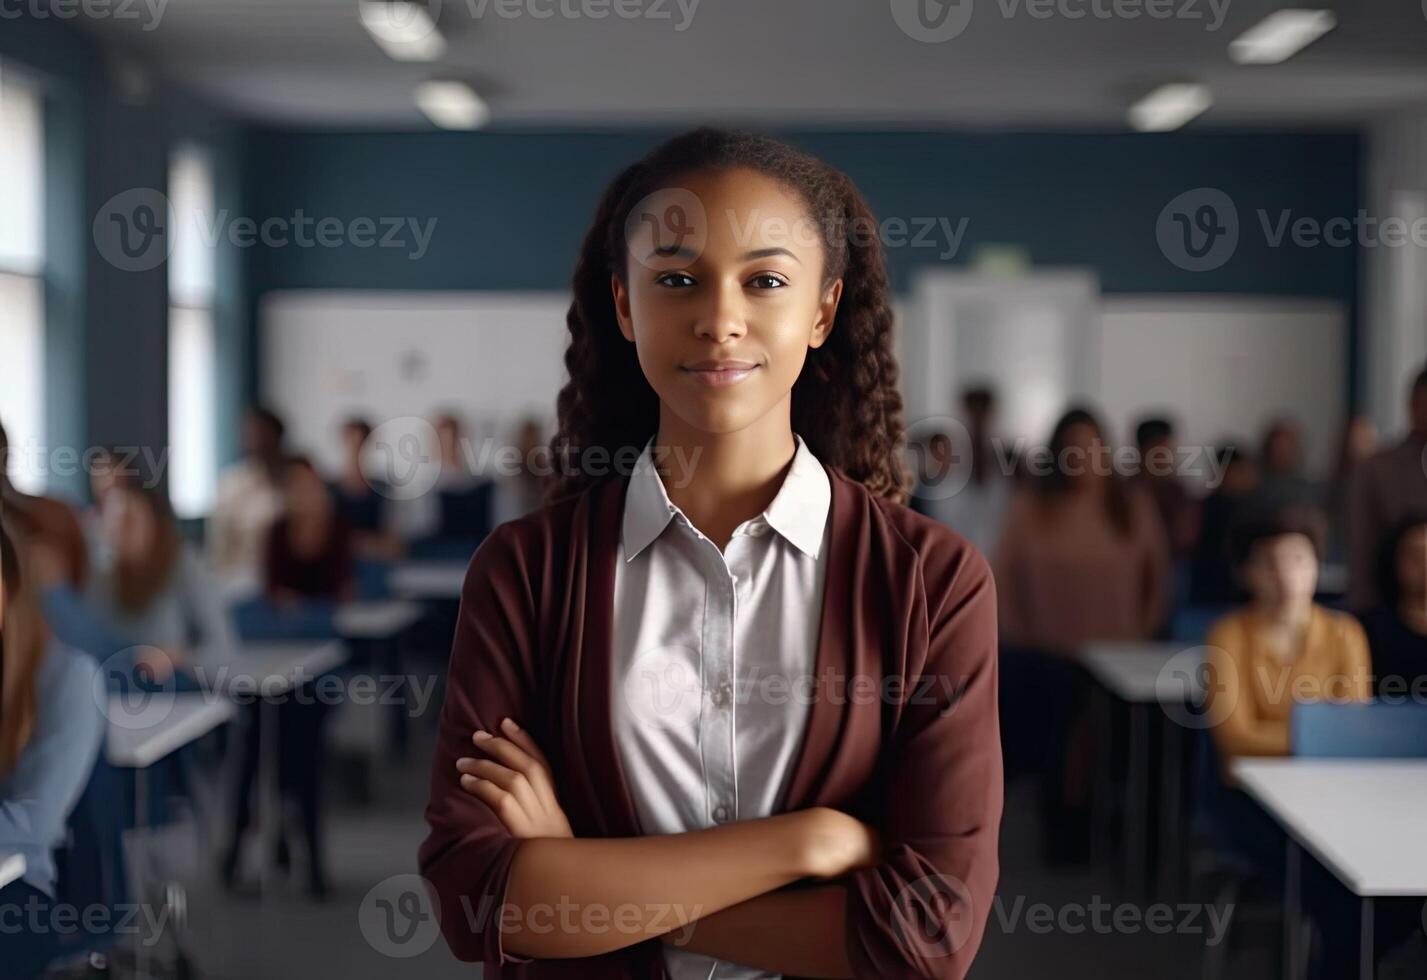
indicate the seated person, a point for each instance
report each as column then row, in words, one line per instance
column 362, row 502
column 51, row 730
column 151, row 586
column 44, row 520
column 1282, row 648
column 309, row 558
column 1397, row 629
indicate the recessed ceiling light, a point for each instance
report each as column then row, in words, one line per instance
column 403, row 28
column 452, row 105
column 1170, row 106
column 1280, row 36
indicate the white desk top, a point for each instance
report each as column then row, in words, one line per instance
column 275, row 668
column 1147, row 673
column 428, row 579
column 375, row 620
column 140, row 736
column 1361, row 818
column 12, row 868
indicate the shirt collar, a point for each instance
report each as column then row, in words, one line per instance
column 798, row 512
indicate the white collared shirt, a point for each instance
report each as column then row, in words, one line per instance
column 713, row 652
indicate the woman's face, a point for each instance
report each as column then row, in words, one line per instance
column 1412, row 564
column 722, row 327
column 306, row 493
column 129, row 525
column 1083, row 454
column 1282, row 570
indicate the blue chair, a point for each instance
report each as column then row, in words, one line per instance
column 1375, row 730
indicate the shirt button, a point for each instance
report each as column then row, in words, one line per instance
column 719, row 697
column 721, row 813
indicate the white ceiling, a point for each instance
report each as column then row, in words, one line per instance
column 781, row 62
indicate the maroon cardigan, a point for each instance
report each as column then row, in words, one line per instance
column 909, row 606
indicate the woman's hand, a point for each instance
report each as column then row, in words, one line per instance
column 515, row 783
column 837, row 843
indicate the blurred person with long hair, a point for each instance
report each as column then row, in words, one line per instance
column 51, row 731
column 1397, row 628
column 1083, row 555
column 363, row 503
column 732, row 511
column 249, row 500
column 44, row 519
column 1383, row 489
column 308, row 563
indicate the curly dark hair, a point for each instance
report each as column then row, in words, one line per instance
column 845, row 405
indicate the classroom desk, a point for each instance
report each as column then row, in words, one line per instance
column 1146, row 676
column 375, row 620
column 380, row 624
column 12, row 868
column 1360, row 818
column 270, row 670
column 428, row 579
column 140, row 735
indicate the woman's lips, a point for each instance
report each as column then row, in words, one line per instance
column 720, row 374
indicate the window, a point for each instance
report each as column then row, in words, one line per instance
column 192, row 426
column 21, row 283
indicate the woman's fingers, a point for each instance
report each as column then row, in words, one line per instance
column 522, row 738
column 503, row 804
column 511, row 755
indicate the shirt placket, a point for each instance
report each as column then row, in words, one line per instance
column 716, row 720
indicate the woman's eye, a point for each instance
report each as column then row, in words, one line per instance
column 767, row 280
column 676, row 279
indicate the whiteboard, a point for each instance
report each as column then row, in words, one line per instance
column 490, row 358
column 1225, row 366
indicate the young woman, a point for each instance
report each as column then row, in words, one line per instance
column 1283, row 647
column 50, row 733
column 731, row 707
column 154, row 589
column 1397, row 629
column 1083, row 554
column 309, row 548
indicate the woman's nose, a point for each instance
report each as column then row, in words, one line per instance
column 722, row 317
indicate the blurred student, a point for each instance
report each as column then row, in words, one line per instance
column 455, row 514
column 1083, row 555
column 249, row 500
column 1282, row 647
column 309, row 559
column 309, row 548
column 1358, row 443
column 1281, row 650
column 153, row 587
column 44, row 519
column 1282, row 481
column 1212, row 581
column 360, row 501
column 1397, row 628
column 51, row 730
column 976, row 509
column 105, row 472
column 522, row 492
column 1386, row 488
column 1157, row 476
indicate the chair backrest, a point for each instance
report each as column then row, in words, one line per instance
column 1360, row 731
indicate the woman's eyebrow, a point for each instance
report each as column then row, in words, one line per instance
column 763, row 253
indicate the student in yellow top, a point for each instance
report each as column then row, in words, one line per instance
column 1282, row 648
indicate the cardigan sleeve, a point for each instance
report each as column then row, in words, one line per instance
column 466, row 857
column 922, row 910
